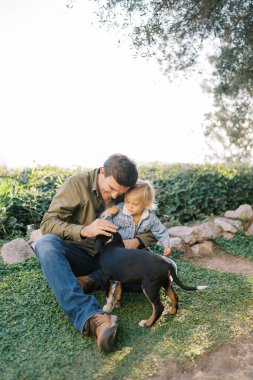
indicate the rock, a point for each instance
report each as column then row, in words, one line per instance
column 249, row 232
column 227, row 235
column 202, row 248
column 236, row 223
column 208, row 230
column 242, row 212
column 187, row 234
column 225, row 224
column 178, row 245
column 196, row 234
column 16, row 251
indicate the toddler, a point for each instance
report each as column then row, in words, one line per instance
column 135, row 215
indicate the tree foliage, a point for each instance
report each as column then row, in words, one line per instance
column 176, row 32
column 231, row 126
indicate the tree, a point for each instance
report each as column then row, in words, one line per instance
column 175, row 31
column 231, row 127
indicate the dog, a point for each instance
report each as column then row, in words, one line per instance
column 136, row 266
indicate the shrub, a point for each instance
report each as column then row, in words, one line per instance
column 195, row 192
column 8, row 190
column 34, row 190
column 184, row 193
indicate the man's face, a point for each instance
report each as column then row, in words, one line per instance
column 108, row 187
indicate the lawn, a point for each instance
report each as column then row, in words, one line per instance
column 239, row 246
column 38, row 342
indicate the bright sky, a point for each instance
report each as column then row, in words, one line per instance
column 70, row 96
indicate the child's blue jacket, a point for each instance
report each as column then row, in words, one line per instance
column 128, row 230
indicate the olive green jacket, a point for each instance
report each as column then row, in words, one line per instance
column 76, row 204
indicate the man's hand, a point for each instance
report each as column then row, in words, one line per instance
column 131, row 243
column 98, row 227
column 112, row 211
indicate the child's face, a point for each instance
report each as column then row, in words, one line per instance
column 133, row 203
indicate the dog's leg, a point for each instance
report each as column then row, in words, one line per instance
column 113, row 296
column 174, row 301
column 109, row 298
column 117, row 294
column 157, row 306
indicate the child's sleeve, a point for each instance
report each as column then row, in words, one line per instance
column 160, row 231
column 106, row 216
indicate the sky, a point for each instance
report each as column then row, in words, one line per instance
column 70, row 95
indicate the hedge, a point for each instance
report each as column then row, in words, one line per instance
column 184, row 193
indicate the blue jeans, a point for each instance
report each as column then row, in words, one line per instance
column 61, row 262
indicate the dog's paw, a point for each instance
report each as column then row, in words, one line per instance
column 142, row 323
column 107, row 308
column 117, row 304
column 170, row 311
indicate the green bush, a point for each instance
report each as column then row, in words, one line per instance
column 8, row 190
column 34, row 189
column 184, row 193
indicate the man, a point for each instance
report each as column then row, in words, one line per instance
column 67, row 251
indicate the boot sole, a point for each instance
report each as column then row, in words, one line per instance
column 108, row 338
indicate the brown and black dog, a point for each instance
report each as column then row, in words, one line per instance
column 136, row 266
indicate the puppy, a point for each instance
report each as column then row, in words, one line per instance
column 135, row 266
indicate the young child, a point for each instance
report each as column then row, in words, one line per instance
column 136, row 215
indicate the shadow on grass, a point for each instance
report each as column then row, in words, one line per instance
column 38, row 342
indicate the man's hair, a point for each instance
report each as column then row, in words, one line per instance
column 122, row 169
column 146, row 193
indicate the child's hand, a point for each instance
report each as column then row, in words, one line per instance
column 166, row 251
column 112, row 211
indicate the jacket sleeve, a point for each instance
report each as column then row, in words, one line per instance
column 57, row 219
column 105, row 216
column 160, row 231
column 112, row 217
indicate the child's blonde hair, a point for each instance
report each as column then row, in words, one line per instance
column 146, row 192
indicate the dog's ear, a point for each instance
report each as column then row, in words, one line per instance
column 116, row 238
column 100, row 241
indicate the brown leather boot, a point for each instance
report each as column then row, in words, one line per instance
column 104, row 328
column 87, row 284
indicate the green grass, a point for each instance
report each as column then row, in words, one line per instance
column 38, row 342
column 240, row 245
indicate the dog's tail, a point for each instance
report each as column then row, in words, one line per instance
column 173, row 274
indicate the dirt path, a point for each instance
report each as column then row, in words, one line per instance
column 224, row 262
column 229, row 362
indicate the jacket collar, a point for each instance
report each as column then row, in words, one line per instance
column 144, row 215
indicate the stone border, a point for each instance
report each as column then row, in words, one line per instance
column 193, row 240
column 196, row 239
